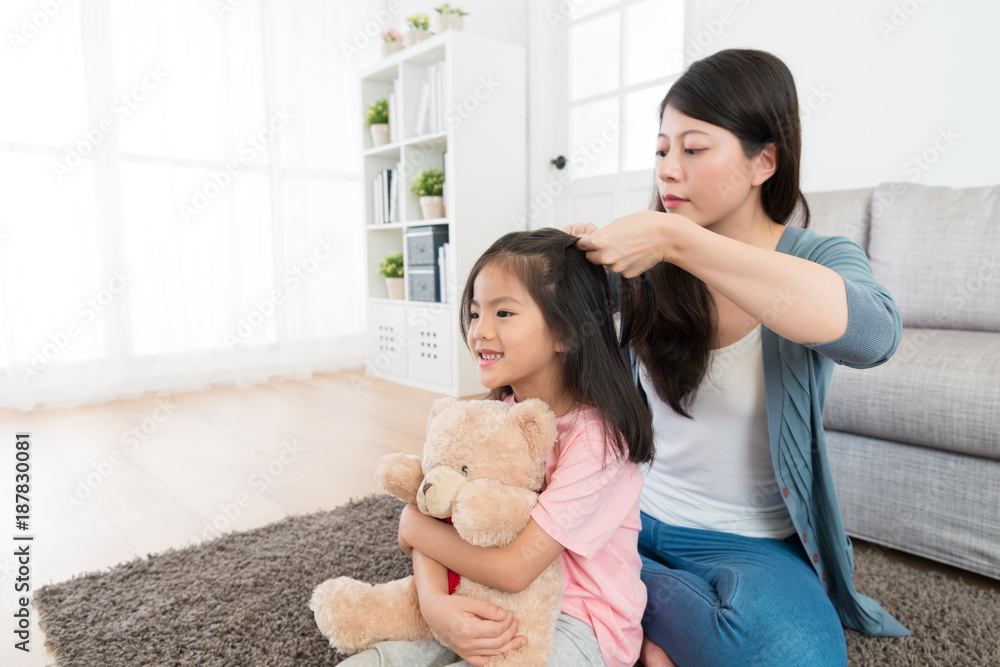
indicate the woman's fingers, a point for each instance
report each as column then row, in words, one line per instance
column 579, row 229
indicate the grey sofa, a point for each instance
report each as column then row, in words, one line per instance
column 914, row 444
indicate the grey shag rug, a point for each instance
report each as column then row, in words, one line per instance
column 242, row 600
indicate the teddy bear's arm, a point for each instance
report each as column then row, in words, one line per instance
column 400, row 475
column 488, row 513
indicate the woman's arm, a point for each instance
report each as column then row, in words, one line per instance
column 509, row 569
column 474, row 629
column 800, row 300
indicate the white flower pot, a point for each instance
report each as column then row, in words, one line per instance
column 390, row 47
column 394, row 287
column 448, row 22
column 432, row 207
column 380, row 134
column 415, row 35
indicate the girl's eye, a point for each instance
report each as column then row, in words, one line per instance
column 465, row 470
column 504, row 313
column 473, row 316
column 693, row 151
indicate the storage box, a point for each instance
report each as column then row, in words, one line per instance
column 424, row 282
column 422, row 244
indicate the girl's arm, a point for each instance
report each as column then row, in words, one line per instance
column 474, row 629
column 800, row 300
column 509, row 569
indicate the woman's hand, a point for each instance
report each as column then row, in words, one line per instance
column 630, row 245
column 475, row 630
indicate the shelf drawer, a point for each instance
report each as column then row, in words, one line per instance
column 422, row 244
column 425, row 283
column 431, row 336
column 387, row 338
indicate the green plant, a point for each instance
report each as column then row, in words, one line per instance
column 418, row 21
column 446, row 8
column 429, row 183
column 378, row 112
column 392, row 265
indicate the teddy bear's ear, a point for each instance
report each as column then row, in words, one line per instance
column 437, row 407
column 538, row 423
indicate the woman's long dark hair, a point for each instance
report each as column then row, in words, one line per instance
column 576, row 302
column 751, row 94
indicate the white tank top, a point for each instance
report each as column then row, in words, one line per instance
column 714, row 471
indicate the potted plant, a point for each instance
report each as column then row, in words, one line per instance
column 429, row 186
column 419, row 28
column 378, row 121
column 392, row 41
column 449, row 18
column 392, row 269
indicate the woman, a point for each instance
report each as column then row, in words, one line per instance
column 745, row 558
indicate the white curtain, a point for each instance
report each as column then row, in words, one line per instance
column 180, row 195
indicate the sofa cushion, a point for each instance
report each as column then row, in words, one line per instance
column 940, row 389
column 840, row 213
column 937, row 250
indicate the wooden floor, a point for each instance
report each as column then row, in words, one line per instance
column 114, row 481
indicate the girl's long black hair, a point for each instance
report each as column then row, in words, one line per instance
column 577, row 303
column 751, row 94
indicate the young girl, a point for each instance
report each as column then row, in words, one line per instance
column 536, row 315
column 745, row 558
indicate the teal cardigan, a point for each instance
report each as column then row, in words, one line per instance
column 796, row 378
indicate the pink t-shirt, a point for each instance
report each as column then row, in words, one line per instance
column 592, row 509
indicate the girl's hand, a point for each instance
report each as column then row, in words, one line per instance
column 477, row 631
column 406, row 521
column 630, row 245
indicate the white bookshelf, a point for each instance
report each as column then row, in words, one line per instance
column 483, row 134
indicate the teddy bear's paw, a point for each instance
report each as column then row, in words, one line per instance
column 339, row 605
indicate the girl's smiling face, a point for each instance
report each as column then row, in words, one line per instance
column 703, row 174
column 510, row 339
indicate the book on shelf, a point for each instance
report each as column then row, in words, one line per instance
column 385, row 196
column 423, row 109
column 394, row 125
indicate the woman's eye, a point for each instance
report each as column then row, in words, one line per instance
column 693, row 151
column 661, row 154
column 465, row 470
column 504, row 313
column 473, row 316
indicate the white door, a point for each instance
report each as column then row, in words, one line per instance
column 596, row 74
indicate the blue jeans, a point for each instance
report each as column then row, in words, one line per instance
column 720, row 599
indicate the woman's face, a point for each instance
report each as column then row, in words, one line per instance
column 703, row 174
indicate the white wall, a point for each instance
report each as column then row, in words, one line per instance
column 912, row 87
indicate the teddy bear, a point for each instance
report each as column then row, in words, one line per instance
column 483, row 466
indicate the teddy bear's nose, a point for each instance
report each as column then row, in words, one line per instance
column 427, row 485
